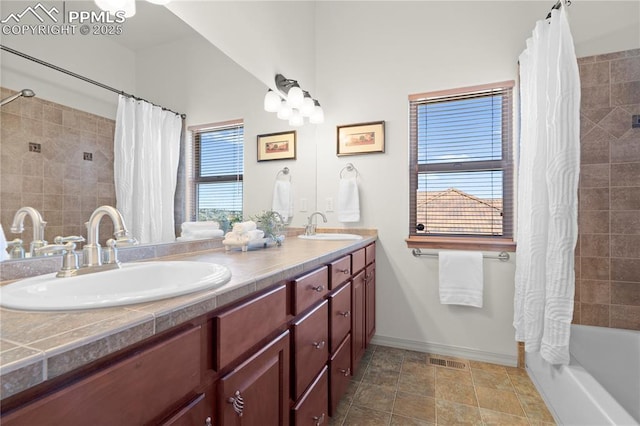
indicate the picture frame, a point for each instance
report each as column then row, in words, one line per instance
column 277, row 146
column 360, row 138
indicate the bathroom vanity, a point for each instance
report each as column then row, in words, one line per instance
column 276, row 345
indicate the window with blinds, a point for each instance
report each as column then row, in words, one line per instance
column 461, row 162
column 218, row 167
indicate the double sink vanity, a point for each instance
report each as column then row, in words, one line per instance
column 273, row 339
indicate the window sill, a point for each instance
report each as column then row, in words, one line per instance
column 462, row 243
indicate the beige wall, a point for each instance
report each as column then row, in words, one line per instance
column 608, row 252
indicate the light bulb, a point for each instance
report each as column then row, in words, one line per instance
column 295, row 97
column 318, row 115
column 271, row 101
column 296, row 119
column 284, row 112
column 308, row 106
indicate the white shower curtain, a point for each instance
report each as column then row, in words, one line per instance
column 146, row 155
column 549, row 167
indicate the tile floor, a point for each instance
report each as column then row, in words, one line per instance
column 400, row 387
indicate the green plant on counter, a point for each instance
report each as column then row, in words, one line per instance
column 225, row 218
column 271, row 223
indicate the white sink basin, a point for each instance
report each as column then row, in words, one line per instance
column 133, row 283
column 331, row 237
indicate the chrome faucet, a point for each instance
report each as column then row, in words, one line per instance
column 92, row 252
column 17, row 227
column 310, row 228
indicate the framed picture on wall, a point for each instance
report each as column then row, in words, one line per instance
column 361, row 138
column 277, row 146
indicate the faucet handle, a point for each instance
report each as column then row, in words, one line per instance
column 17, row 250
column 69, row 256
column 70, row 239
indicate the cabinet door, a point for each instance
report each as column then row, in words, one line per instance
column 340, row 372
column 256, row 393
column 357, row 318
column 311, row 347
column 311, row 410
column 370, row 302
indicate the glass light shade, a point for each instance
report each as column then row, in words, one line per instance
column 295, row 97
column 296, row 119
column 285, row 111
column 112, row 6
column 272, row 101
column 308, row 106
column 318, row 115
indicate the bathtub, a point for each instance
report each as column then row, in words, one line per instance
column 601, row 384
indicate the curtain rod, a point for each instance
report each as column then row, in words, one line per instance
column 78, row 76
column 558, row 5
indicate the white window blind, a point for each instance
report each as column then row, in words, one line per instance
column 461, row 162
column 218, row 167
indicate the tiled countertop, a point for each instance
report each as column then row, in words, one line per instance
column 37, row 346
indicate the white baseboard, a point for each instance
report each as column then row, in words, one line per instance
column 439, row 349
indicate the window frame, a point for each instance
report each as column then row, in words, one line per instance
column 195, row 177
column 506, row 165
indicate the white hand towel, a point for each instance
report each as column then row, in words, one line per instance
column 461, row 278
column 283, row 199
column 193, row 226
column 348, row 200
column 202, row 233
column 242, row 227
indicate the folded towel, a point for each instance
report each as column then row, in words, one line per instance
column 243, row 227
column 348, row 200
column 461, row 278
column 204, row 233
column 283, row 199
column 193, row 226
column 243, row 238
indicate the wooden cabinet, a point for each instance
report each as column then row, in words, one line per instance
column 357, row 318
column 340, row 373
column 358, row 260
column 135, row 390
column 339, row 315
column 311, row 347
column 244, row 325
column 199, row 411
column 370, row 302
column 309, row 289
column 340, row 271
column 311, row 409
column 256, row 393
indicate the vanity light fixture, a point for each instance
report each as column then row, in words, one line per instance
column 127, row 6
column 292, row 103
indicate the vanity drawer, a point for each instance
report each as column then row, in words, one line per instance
column 358, row 260
column 309, row 289
column 245, row 325
column 340, row 370
column 370, row 255
column 312, row 407
column 135, row 390
column 340, row 315
column 310, row 337
column 340, row 271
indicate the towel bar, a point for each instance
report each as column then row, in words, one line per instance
column 349, row 168
column 503, row 256
column 284, row 171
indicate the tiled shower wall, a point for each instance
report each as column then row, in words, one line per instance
column 608, row 251
column 58, row 181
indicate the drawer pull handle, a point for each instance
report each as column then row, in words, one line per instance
column 319, row 419
column 318, row 345
column 344, row 314
column 237, row 403
column 345, row 371
column 207, row 422
column 344, row 271
column 319, row 288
